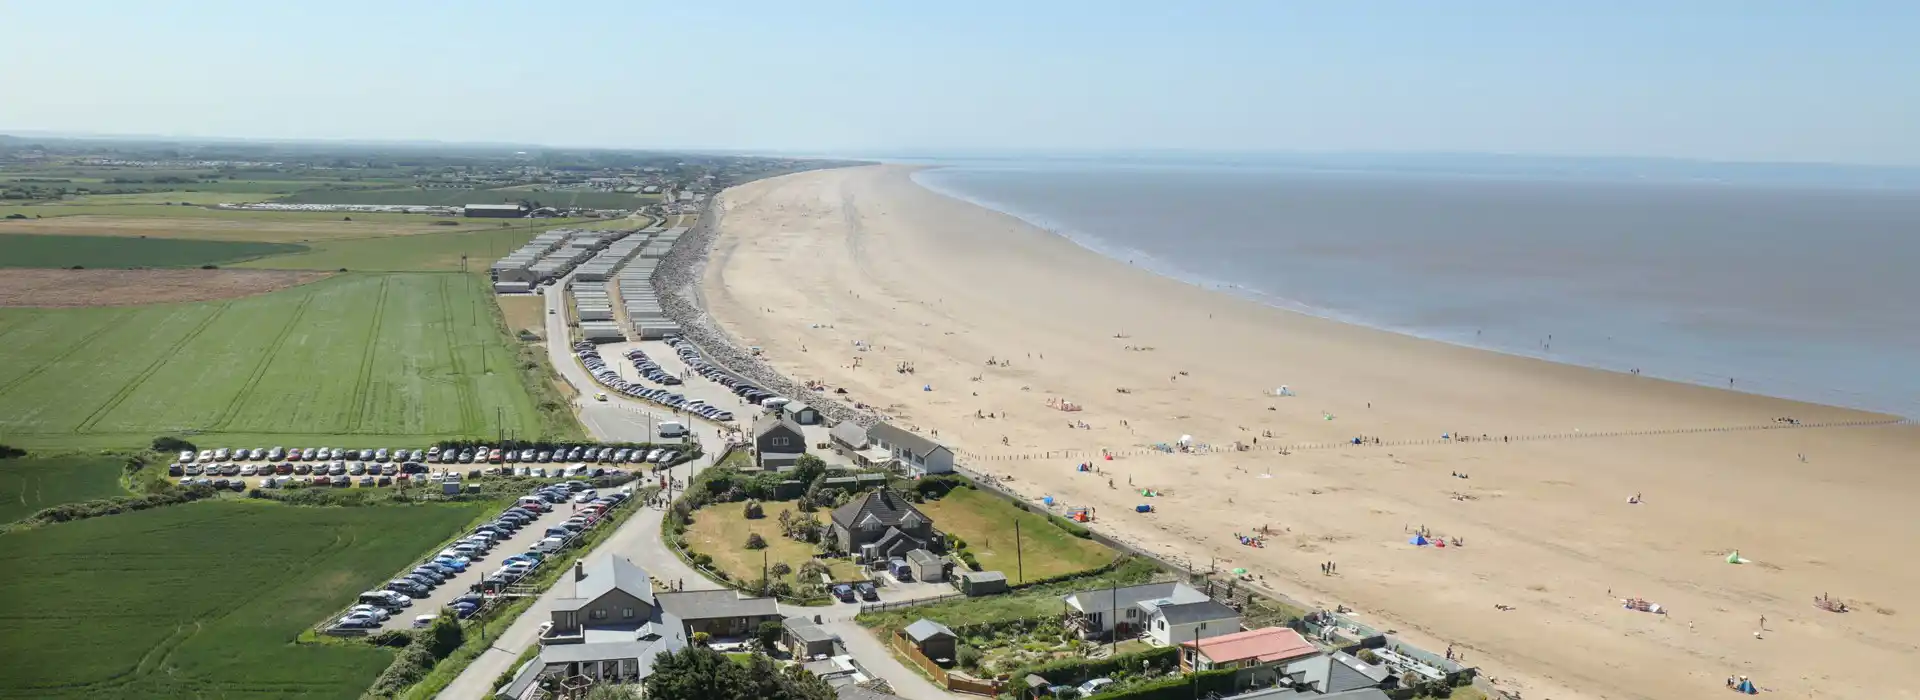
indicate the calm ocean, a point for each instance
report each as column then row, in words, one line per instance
column 1795, row 283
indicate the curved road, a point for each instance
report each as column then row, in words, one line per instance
column 621, row 419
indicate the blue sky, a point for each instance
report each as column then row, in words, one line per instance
column 1709, row 79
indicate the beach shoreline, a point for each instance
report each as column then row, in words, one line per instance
column 805, row 265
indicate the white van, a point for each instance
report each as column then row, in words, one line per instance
column 774, row 402
column 549, row 545
column 671, row 429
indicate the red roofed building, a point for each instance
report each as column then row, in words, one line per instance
column 1262, row 653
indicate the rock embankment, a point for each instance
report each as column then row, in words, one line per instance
column 678, row 281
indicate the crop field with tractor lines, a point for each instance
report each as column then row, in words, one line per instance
column 204, row 599
column 354, row 359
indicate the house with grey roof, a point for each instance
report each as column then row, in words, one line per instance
column 606, row 626
column 720, row 613
column 806, row 640
column 1163, row 613
column 777, row 442
column 917, row 455
column 881, row 524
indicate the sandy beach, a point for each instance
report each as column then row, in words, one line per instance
column 811, row 266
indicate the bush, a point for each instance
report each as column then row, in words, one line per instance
column 1368, row 656
column 967, row 656
column 769, row 634
column 166, row 443
column 702, row 560
column 391, row 638
column 9, row 452
column 209, row 267
column 1178, row 687
column 82, row 510
column 968, row 559
column 780, row 568
column 1070, row 526
column 1074, row 671
column 755, row 541
column 755, row 511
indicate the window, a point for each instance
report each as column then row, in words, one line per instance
column 598, row 614
column 626, row 613
column 779, row 442
column 1159, row 624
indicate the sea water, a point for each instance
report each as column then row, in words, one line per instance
column 1800, row 284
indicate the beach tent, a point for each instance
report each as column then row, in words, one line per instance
column 1143, row 508
column 1735, row 558
column 1746, row 686
column 1418, row 541
column 1047, row 500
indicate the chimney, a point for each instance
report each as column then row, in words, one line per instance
column 579, row 570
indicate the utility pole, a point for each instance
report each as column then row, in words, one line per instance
column 1019, row 560
column 765, row 585
column 500, row 424
column 1193, row 668
column 1113, row 597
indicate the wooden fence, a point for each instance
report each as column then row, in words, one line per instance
column 953, row 682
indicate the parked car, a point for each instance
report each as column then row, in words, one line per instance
column 868, row 592
column 844, row 592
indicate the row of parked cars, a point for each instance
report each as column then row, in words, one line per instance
column 303, row 454
column 650, row 369
column 375, row 607
column 745, row 390
column 714, row 413
column 590, row 357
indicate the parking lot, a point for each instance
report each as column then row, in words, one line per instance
column 463, row 582
column 364, row 468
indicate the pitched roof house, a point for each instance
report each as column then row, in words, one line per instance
column 918, row 456
column 882, row 524
column 777, row 441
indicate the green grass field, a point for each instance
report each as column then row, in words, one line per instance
column 458, row 197
column 200, row 197
column 29, row 485
column 31, row 250
column 427, row 252
column 720, row 531
column 202, row 600
column 351, row 360
column 985, row 521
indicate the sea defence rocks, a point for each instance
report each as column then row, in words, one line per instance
column 678, row 282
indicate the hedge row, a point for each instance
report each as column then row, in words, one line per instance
column 114, row 506
column 413, row 663
column 1181, row 687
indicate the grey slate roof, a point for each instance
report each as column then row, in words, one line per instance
column 1099, row 599
column 921, row 556
column 1204, row 611
column 708, row 605
column 767, row 422
column 924, row 629
column 912, row 442
column 983, row 576
column 605, row 573
column 886, row 505
column 804, row 629
column 851, row 433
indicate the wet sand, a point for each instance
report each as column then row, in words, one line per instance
column 809, row 264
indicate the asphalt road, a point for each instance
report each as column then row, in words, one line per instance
column 623, row 419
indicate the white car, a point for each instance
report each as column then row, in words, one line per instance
column 186, row 455
column 376, row 611
column 247, row 470
column 420, row 621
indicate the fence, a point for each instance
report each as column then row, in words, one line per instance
column 958, row 683
column 1456, row 439
column 898, row 604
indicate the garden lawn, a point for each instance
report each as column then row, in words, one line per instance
column 720, row 531
column 203, row 599
column 1036, row 601
column 29, row 485
column 985, row 521
column 32, row 250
